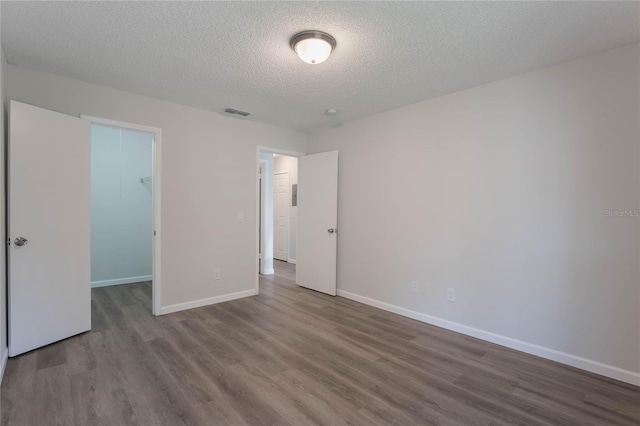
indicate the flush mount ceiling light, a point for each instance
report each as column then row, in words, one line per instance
column 313, row 47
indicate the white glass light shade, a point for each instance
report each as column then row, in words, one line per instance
column 313, row 47
column 313, row 50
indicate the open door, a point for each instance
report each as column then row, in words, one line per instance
column 49, row 252
column 318, row 222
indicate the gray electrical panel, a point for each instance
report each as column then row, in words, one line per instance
column 294, row 195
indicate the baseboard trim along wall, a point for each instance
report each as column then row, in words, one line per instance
column 291, row 261
column 130, row 280
column 5, row 359
column 269, row 272
column 204, row 302
column 551, row 354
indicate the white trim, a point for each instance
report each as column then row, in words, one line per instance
column 129, row 280
column 291, row 261
column 204, row 302
column 530, row 348
column 262, row 185
column 157, row 196
column 269, row 272
column 259, row 225
column 157, row 224
column 5, row 359
column 280, row 151
column 120, row 124
column 259, row 149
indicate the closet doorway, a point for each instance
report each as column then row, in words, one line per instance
column 125, row 214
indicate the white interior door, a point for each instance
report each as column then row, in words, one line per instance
column 49, row 206
column 317, row 222
column 281, row 215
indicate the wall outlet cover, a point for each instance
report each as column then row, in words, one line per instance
column 451, row 294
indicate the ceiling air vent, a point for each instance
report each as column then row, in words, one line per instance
column 236, row 112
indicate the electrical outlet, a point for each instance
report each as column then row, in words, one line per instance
column 216, row 274
column 240, row 216
column 414, row 286
column 451, row 294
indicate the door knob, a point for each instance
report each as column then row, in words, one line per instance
column 330, row 230
column 20, row 241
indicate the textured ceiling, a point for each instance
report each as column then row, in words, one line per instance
column 389, row 54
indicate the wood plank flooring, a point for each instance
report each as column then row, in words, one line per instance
column 292, row 356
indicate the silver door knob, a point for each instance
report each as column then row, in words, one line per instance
column 20, row 241
column 330, row 230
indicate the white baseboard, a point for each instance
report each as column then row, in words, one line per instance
column 208, row 301
column 129, row 280
column 292, row 261
column 5, row 358
column 564, row 358
column 269, row 272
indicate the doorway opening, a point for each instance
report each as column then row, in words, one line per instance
column 125, row 195
column 314, row 204
column 277, row 214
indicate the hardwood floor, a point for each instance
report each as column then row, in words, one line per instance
column 284, row 270
column 292, row 356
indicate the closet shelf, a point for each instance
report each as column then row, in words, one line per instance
column 147, row 183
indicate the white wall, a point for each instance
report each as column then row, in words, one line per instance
column 121, row 207
column 283, row 163
column 3, row 250
column 208, row 176
column 500, row 192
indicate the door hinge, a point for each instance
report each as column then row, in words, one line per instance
column 154, row 233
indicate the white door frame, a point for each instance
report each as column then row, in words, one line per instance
column 156, row 194
column 260, row 149
column 262, row 188
column 286, row 172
